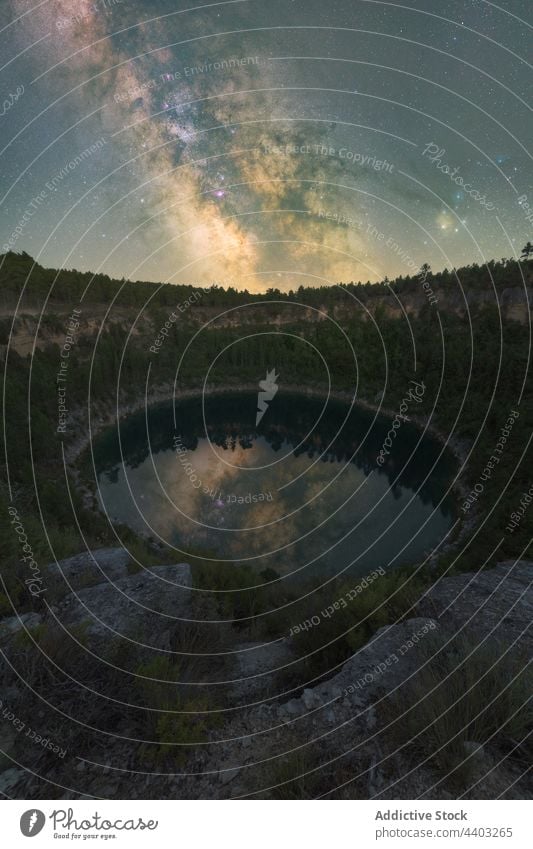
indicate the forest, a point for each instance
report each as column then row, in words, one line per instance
column 475, row 372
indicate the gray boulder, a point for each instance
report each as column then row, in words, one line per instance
column 141, row 606
column 11, row 626
column 496, row 604
column 255, row 666
column 383, row 664
column 91, row 567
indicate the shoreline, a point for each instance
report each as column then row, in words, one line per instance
column 105, row 418
column 165, row 394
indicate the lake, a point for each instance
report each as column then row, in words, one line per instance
column 300, row 493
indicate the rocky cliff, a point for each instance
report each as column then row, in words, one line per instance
column 351, row 735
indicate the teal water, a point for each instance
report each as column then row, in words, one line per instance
column 300, row 493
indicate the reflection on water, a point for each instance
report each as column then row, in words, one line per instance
column 301, row 490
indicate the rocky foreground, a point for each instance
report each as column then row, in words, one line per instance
column 68, row 729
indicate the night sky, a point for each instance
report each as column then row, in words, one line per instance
column 265, row 143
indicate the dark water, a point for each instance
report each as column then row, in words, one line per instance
column 301, row 492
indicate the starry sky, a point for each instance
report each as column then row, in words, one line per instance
column 265, row 143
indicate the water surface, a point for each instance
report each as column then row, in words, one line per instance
column 300, row 493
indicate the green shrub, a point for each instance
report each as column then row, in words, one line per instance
column 465, row 693
column 174, row 715
column 390, row 598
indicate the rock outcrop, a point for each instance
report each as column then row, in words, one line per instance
column 268, row 736
column 493, row 604
column 92, row 567
column 12, row 625
column 139, row 606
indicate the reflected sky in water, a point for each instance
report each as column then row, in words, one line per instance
column 264, row 497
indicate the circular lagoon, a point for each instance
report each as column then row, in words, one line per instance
column 301, row 492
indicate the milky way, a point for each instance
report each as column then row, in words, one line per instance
column 264, row 144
